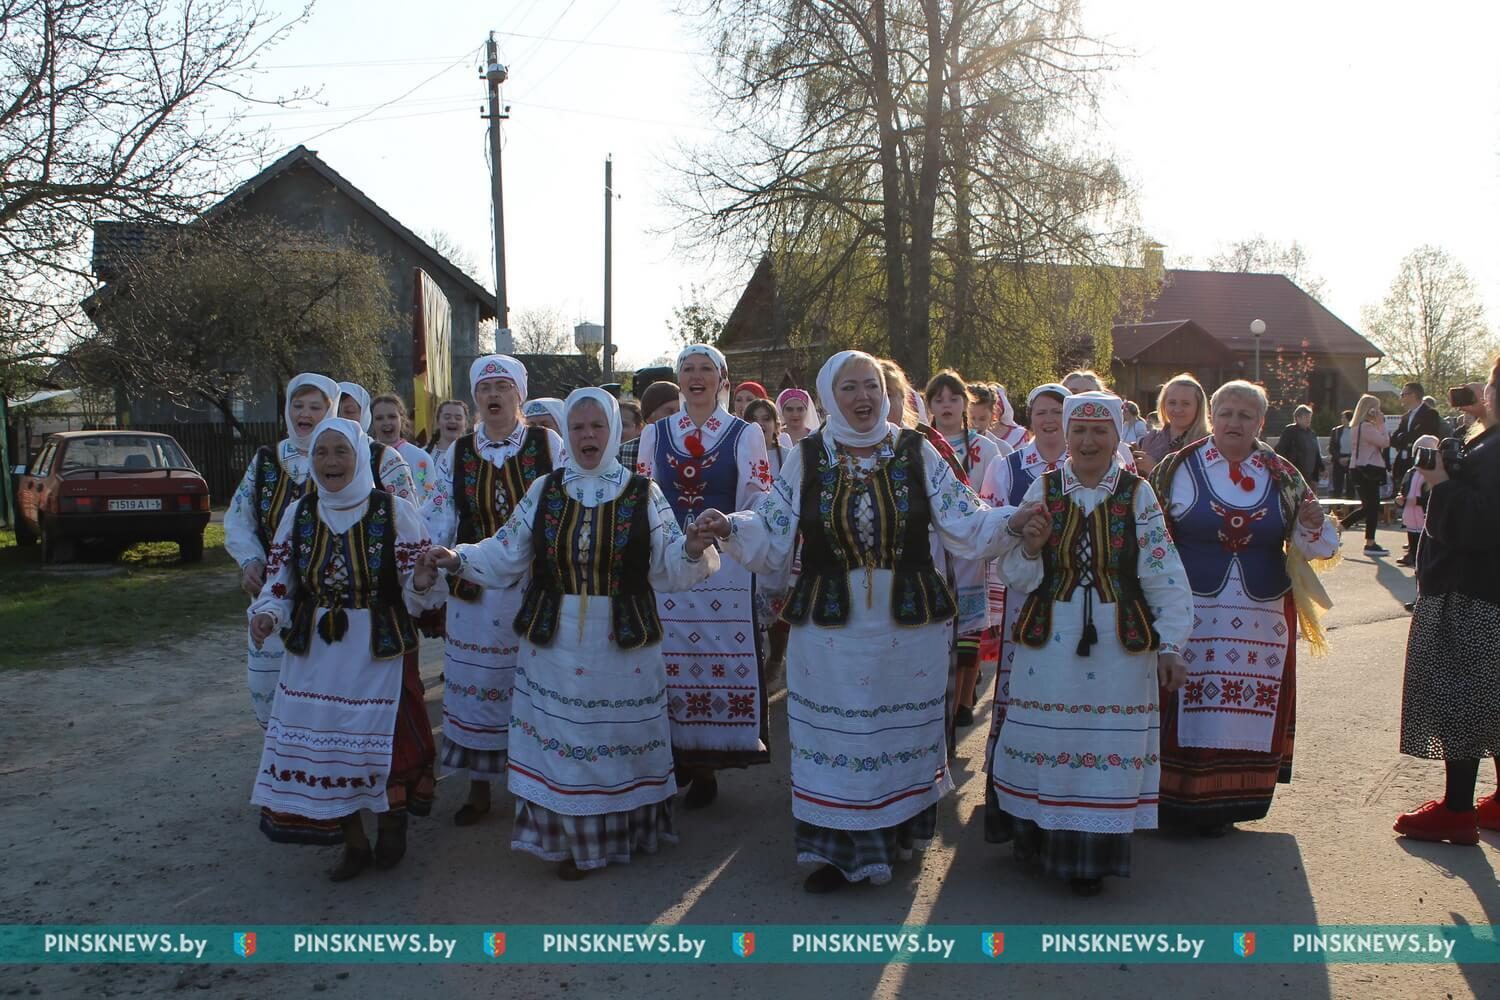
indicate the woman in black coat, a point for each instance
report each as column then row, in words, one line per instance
column 1450, row 708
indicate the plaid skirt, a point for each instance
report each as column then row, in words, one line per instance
column 865, row 854
column 482, row 765
column 1063, row 853
column 592, row 841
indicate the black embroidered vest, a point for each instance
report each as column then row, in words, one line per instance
column 370, row 581
column 604, row 550
column 1112, row 563
column 919, row 594
column 377, row 452
column 484, row 495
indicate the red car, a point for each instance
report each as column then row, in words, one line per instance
column 111, row 488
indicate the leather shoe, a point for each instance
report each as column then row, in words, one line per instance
column 1435, row 821
column 1487, row 812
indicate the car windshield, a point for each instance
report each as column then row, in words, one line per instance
column 123, row 452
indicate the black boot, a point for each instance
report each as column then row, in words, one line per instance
column 357, row 854
column 390, row 840
column 478, row 805
column 825, row 879
column 704, row 790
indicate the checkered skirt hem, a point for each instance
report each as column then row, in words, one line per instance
column 1062, row 853
column 865, row 854
column 481, row 764
column 592, row 841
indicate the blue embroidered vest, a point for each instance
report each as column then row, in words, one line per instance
column 1213, row 535
column 1021, row 479
column 604, row 550
column 367, row 579
column 830, row 538
column 1112, row 552
column 693, row 484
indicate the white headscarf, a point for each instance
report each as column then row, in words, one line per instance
column 498, row 366
column 1094, row 406
column 839, row 430
column 330, row 390
column 717, row 357
column 361, row 397
column 812, row 422
column 339, row 509
column 1007, row 412
column 609, row 464
column 549, row 406
column 1052, row 387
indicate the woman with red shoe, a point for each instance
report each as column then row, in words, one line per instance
column 1450, row 705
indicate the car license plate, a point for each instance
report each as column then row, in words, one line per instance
column 152, row 504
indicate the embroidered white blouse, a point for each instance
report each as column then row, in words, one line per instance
column 764, row 537
column 241, row 540
column 754, row 467
column 439, row 510
column 506, row 557
column 1158, row 566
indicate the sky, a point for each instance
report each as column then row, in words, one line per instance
column 1361, row 130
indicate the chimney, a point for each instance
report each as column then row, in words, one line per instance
column 1154, row 256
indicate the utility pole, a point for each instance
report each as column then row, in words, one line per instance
column 609, row 197
column 494, row 75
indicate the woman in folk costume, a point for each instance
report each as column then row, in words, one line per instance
column 871, row 623
column 544, row 411
column 798, row 416
column 392, row 474
column 591, row 761
column 480, row 480
column 274, row 481
column 1005, row 485
column 704, row 458
column 1246, row 526
column 348, row 729
column 1106, row 613
column 388, row 425
column 948, row 401
column 746, row 393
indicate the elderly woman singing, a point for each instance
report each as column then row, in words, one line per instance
column 1246, row 525
column 1106, row 612
column 870, row 613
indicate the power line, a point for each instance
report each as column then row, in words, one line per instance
column 463, row 58
column 603, row 45
column 547, row 35
column 569, row 54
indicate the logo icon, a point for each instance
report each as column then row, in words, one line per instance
column 744, row 943
column 244, row 943
column 1244, row 943
column 992, row 943
column 494, row 944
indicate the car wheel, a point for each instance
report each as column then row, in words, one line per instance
column 54, row 549
column 191, row 548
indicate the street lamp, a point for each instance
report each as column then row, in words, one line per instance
column 1257, row 330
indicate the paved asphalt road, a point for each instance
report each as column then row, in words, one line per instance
column 124, row 789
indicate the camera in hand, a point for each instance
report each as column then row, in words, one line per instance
column 1461, row 395
column 1450, row 453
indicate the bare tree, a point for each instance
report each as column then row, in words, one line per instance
column 1259, row 255
column 541, row 330
column 848, row 124
column 457, row 253
column 1431, row 323
column 215, row 309
column 108, row 112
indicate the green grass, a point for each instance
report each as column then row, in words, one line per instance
column 51, row 619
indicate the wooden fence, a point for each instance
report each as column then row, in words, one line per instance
column 220, row 454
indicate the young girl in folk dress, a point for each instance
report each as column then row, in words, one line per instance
column 591, row 759
column 388, row 425
column 479, row 481
column 948, row 401
column 274, row 481
column 348, row 729
column 452, row 424
column 702, row 457
column 392, row 474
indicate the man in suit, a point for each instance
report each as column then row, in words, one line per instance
column 1419, row 419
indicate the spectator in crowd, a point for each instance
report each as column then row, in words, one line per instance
column 1298, row 444
column 1135, row 427
column 1367, row 467
column 1338, row 457
column 1419, row 419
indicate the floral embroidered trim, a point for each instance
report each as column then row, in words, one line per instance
column 592, row 754
column 867, row 763
column 1096, row 761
